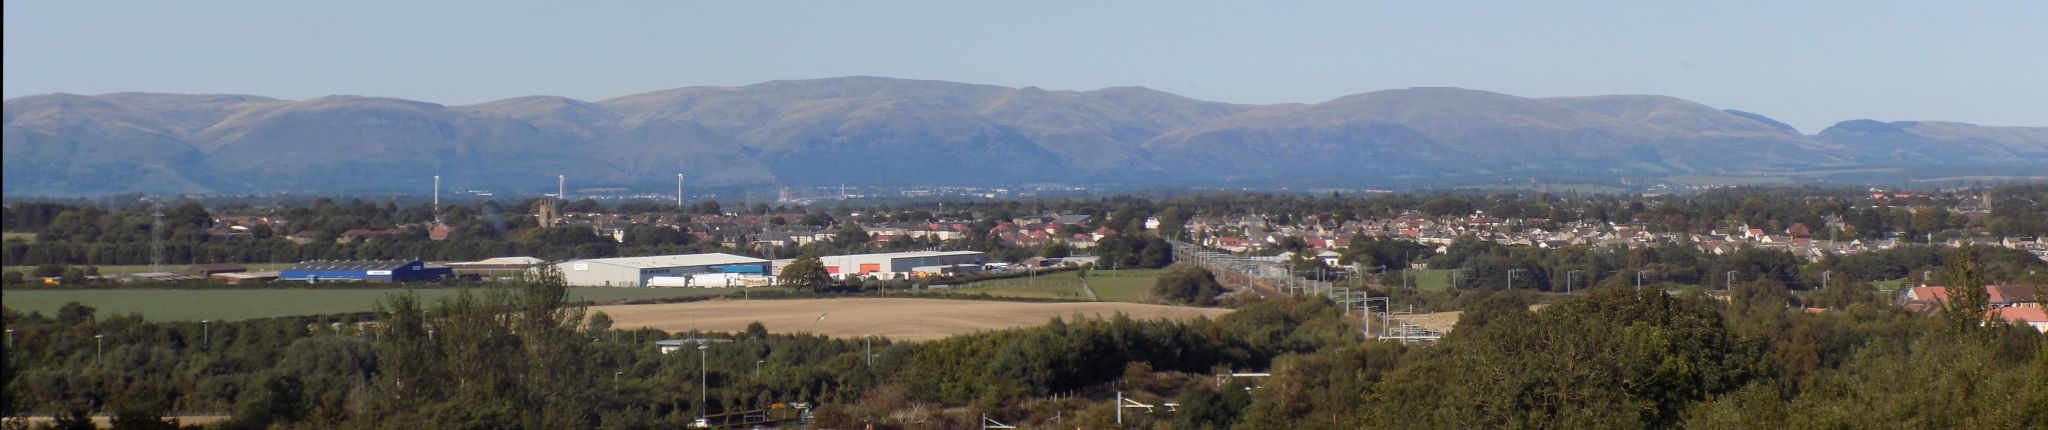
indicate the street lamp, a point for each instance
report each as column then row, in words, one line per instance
column 1568, row 278
column 206, row 326
column 1729, row 282
column 615, row 381
column 1639, row 280
column 703, row 380
column 1824, row 275
column 757, row 367
column 1511, row 277
column 99, row 346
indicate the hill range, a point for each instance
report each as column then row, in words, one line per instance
column 883, row 131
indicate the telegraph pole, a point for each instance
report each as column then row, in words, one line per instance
column 156, row 242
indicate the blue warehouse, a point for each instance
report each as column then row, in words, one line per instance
column 364, row 271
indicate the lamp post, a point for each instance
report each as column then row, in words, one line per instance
column 1511, row 277
column 615, row 381
column 1824, row 275
column 206, row 327
column 703, row 380
column 1729, row 282
column 99, row 346
column 1639, row 280
column 1568, row 278
column 757, row 367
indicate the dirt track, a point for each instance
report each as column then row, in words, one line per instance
column 899, row 319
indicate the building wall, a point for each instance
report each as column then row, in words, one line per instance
column 588, row 274
column 907, row 263
column 603, row 275
column 846, row 265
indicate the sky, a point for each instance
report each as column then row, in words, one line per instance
column 1807, row 63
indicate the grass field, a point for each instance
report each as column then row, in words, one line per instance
column 193, row 305
column 1889, row 287
column 138, row 268
column 1432, row 280
column 1121, row 286
column 1124, row 285
column 895, row 318
column 25, row 237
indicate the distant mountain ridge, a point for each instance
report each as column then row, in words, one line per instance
column 870, row 130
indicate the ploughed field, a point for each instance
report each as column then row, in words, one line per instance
column 896, row 318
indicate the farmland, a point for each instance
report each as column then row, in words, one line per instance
column 238, row 304
column 1128, row 286
column 895, row 318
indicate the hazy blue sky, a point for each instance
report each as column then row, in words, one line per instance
column 1809, row 63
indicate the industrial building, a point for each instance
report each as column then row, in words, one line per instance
column 637, row 271
column 935, row 262
column 496, row 269
column 364, row 271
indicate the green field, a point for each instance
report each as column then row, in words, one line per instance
column 139, row 268
column 1110, row 286
column 1889, row 287
column 1432, row 280
column 25, row 237
column 193, row 305
column 1123, row 285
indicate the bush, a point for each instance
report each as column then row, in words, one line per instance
column 1187, row 285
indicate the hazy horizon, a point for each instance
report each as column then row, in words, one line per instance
column 1810, row 64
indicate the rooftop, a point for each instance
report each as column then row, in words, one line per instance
column 351, row 265
column 911, row 254
column 659, row 261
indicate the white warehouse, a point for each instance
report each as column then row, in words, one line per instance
column 636, row 271
column 902, row 263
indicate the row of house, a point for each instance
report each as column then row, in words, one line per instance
column 1240, row 234
column 2017, row 304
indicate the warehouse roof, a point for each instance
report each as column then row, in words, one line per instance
column 351, row 265
column 659, row 261
column 502, row 261
column 911, row 254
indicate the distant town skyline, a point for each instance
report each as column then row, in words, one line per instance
column 1810, row 64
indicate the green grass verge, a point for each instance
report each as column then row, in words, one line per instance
column 237, row 304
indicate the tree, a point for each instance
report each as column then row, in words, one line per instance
column 1967, row 300
column 1447, row 206
column 1055, row 249
column 1187, row 284
column 1173, row 222
column 73, row 276
column 806, row 273
column 709, row 207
